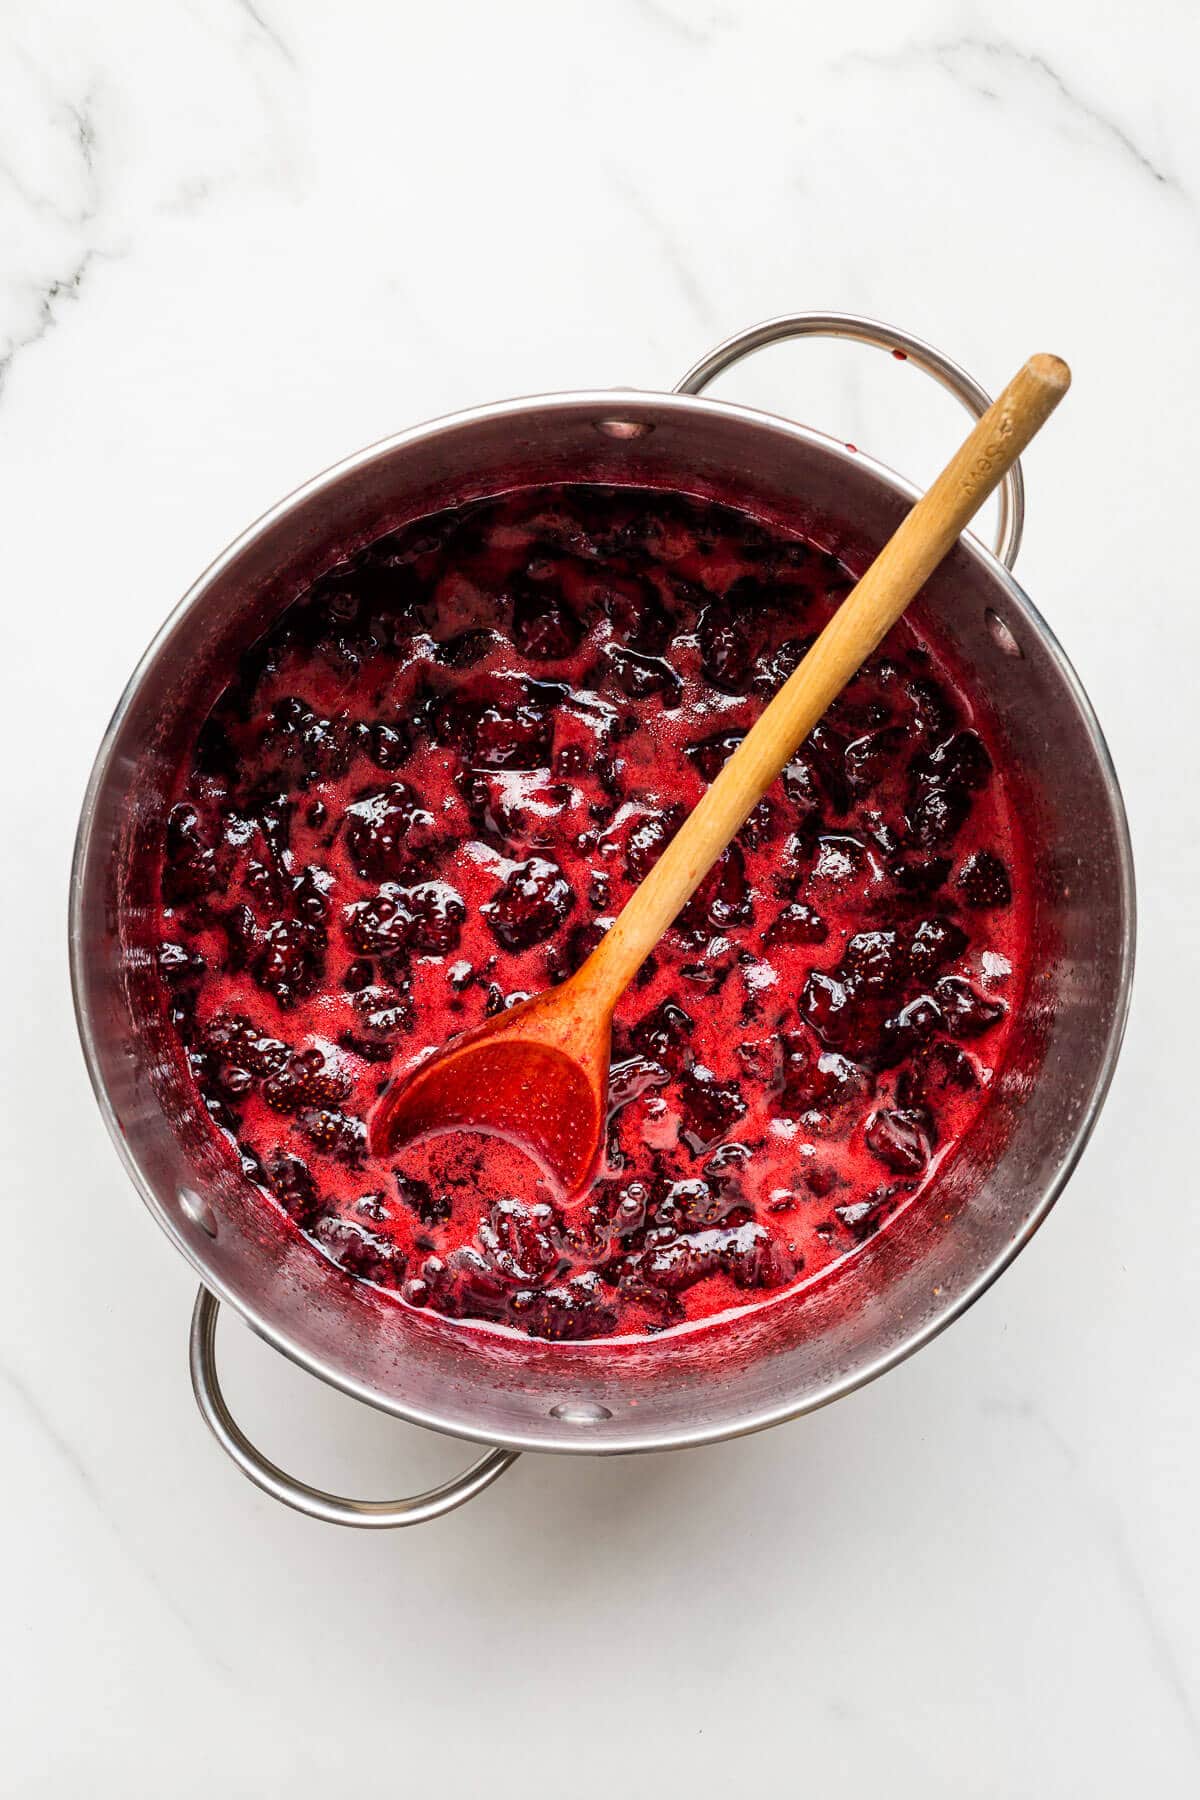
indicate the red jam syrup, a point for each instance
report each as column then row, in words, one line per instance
column 426, row 793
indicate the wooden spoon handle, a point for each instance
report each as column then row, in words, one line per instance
column 865, row 616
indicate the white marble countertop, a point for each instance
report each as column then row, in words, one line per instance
column 241, row 239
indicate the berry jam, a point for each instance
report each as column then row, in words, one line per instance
column 427, row 792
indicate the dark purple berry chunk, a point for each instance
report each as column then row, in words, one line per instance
column 438, row 913
column 531, row 905
column 723, row 899
column 748, row 1253
column 723, row 1170
column 291, row 959
column 826, row 752
column 387, row 745
column 870, row 757
column 760, row 827
column 914, row 1024
column 385, row 1014
column 336, row 1134
column 773, row 667
column 728, row 898
column 938, row 1071
column 800, row 786
column 648, row 839
column 515, row 737
column 664, row 1034
column 236, row 1040
column 517, row 1240
column 825, row 1004
column 300, row 739
column 637, row 617
column 692, row 1204
column 726, row 648
column 545, row 628
column 756, row 1259
column 862, row 1218
column 874, row 961
column 466, row 648
column 817, row 1078
column 919, row 875
column 576, row 1309
column 710, row 1108
column 420, row 1199
column 900, row 1139
column 710, row 754
column 936, row 714
column 934, row 943
column 387, row 831
column 642, row 676
column 189, row 870
column 938, row 817
column 291, row 1181
column 304, row 1080
column 960, row 761
column 840, row 858
column 577, row 946
column 177, row 964
column 360, row 1251
column 983, row 881
column 310, row 893
column 797, row 924
column 380, row 925
column 967, row 1011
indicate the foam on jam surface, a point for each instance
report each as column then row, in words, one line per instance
column 430, row 787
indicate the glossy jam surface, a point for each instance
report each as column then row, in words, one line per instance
column 428, row 790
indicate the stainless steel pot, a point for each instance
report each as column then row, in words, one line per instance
column 786, row 1359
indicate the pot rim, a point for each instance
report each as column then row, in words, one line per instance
column 608, row 401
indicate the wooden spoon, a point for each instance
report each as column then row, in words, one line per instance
column 538, row 1074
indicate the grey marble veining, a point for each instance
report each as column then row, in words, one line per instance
column 997, row 70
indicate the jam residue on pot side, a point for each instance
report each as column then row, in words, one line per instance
column 430, row 787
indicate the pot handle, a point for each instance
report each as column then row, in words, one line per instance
column 332, row 1508
column 884, row 337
